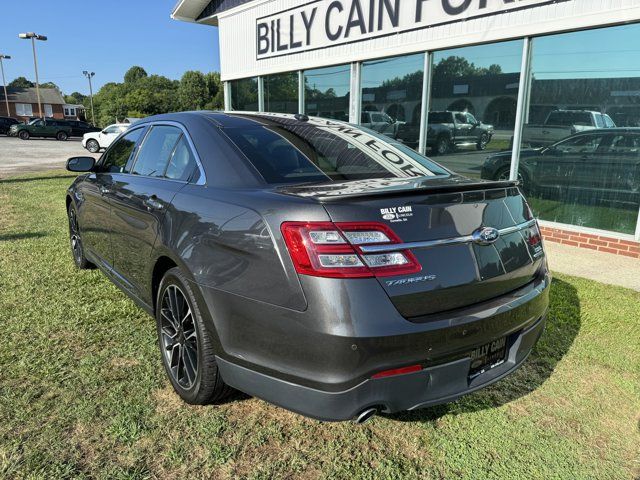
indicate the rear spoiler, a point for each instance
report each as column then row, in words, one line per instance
column 364, row 190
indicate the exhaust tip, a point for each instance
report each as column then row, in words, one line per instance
column 365, row 415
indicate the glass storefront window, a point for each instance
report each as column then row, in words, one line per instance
column 576, row 167
column 474, row 98
column 281, row 93
column 327, row 92
column 244, row 94
column 392, row 97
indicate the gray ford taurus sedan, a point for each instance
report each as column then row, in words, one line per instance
column 320, row 266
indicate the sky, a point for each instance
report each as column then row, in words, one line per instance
column 104, row 37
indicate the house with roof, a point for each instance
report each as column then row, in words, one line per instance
column 23, row 104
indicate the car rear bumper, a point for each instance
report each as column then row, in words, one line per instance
column 430, row 386
column 320, row 363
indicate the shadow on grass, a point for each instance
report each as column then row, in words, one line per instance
column 33, row 179
column 563, row 325
column 21, row 236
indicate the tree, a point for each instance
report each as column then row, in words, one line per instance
column 215, row 91
column 21, row 82
column 76, row 98
column 49, row 85
column 134, row 74
column 453, row 67
column 193, row 91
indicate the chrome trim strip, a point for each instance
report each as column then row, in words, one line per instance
column 441, row 242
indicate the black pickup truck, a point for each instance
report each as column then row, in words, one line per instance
column 448, row 131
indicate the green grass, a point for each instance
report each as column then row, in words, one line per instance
column 83, row 393
column 614, row 218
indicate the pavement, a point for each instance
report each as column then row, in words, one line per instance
column 599, row 266
column 37, row 154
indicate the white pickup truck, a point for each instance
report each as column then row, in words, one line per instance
column 564, row 123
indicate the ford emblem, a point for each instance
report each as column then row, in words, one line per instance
column 485, row 236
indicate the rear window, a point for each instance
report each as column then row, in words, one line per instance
column 288, row 152
column 439, row 117
column 570, row 119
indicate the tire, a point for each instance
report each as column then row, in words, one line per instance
column 183, row 338
column 505, row 172
column 62, row 136
column 24, row 135
column 483, row 141
column 443, row 145
column 75, row 240
column 93, row 146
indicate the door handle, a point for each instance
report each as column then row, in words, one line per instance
column 104, row 190
column 153, row 203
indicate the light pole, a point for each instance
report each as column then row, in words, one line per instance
column 34, row 37
column 89, row 75
column 4, row 82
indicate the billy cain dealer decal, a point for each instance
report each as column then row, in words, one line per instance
column 325, row 23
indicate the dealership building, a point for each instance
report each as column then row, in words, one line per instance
column 547, row 91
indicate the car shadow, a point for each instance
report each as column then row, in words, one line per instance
column 21, row 236
column 33, row 179
column 563, row 325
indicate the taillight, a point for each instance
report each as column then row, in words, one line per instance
column 398, row 371
column 326, row 249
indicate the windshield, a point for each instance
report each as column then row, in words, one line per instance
column 287, row 151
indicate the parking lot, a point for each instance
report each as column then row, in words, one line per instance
column 36, row 154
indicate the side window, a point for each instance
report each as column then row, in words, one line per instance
column 116, row 158
column 471, row 119
column 600, row 121
column 111, row 129
column 581, row 144
column 156, row 150
column 461, row 118
column 182, row 164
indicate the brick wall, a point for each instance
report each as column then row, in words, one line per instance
column 592, row 242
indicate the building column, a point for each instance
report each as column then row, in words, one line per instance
column 227, row 95
column 522, row 111
column 426, row 102
column 261, row 94
column 301, row 91
column 355, row 95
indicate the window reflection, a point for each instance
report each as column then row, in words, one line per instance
column 244, row 94
column 473, row 104
column 327, row 92
column 584, row 171
column 392, row 95
column 281, row 93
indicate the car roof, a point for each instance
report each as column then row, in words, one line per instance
column 610, row 130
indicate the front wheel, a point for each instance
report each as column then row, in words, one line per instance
column 77, row 249
column 504, row 174
column 185, row 344
column 93, row 146
column 24, row 135
column 62, row 136
column 483, row 142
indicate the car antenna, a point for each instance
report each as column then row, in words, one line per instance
column 301, row 117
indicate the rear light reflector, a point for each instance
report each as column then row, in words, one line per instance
column 397, row 371
column 326, row 249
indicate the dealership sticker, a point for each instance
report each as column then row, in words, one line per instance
column 397, row 214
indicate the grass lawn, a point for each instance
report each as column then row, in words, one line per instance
column 83, row 393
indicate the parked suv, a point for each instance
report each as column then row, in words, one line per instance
column 448, row 131
column 79, row 128
column 42, row 127
column 97, row 140
column 380, row 122
column 318, row 265
column 561, row 124
column 5, row 124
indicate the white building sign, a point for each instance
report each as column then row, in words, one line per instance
column 325, row 23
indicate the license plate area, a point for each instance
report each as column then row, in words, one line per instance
column 487, row 357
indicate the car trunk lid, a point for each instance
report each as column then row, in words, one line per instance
column 442, row 221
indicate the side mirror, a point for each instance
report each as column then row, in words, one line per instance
column 104, row 131
column 81, row 164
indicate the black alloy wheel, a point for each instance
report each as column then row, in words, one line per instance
column 24, row 135
column 186, row 345
column 179, row 337
column 75, row 240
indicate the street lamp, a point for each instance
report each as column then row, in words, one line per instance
column 4, row 83
column 89, row 75
column 34, row 37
